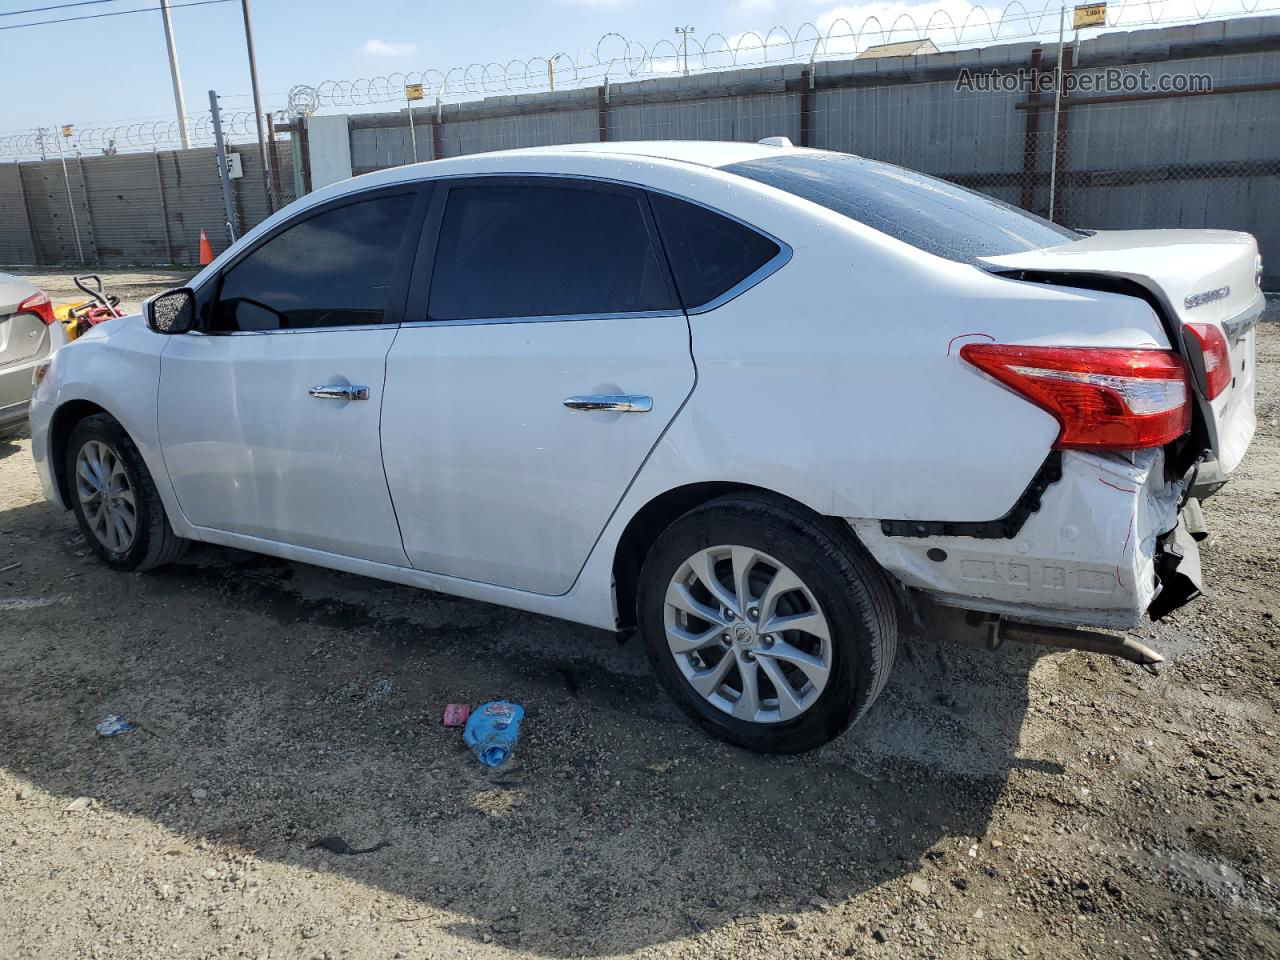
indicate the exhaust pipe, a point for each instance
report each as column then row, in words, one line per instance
column 1125, row 648
column 990, row 631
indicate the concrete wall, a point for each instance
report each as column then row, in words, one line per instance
column 132, row 208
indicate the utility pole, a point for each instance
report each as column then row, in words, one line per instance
column 684, row 45
column 178, row 101
column 257, row 106
column 223, row 173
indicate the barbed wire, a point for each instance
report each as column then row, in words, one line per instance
column 616, row 58
column 131, row 136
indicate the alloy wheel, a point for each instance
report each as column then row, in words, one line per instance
column 748, row 634
column 106, row 496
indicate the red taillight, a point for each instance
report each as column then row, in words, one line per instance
column 1104, row 397
column 1217, row 358
column 38, row 303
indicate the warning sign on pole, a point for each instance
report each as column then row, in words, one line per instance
column 1090, row 15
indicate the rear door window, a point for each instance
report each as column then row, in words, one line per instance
column 933, row 215
column 545, row 250
column 710, row 254
column 335, row 269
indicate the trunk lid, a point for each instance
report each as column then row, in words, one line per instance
column 1196, row 276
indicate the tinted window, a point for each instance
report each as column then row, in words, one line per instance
column 332, row 270
column 709, row 253
column 936, row 216
column 543, row 251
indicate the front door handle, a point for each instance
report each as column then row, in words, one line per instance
column 619, row 403
column 340, row 391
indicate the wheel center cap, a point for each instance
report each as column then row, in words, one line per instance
column 743, row 635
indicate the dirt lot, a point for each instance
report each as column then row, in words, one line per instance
column 1026, row 803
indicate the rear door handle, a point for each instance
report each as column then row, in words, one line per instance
column 340, row 391
column 619, row 403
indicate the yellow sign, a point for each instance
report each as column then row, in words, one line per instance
column 413, row 91
column 67, row 129
column 1090, row 15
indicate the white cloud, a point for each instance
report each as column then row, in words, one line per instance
column 380, row 48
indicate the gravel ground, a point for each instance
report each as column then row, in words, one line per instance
column 1026, row 803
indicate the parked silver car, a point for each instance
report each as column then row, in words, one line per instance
column 29, row 332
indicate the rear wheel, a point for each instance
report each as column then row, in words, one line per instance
column 769, row 626
column 115, row 500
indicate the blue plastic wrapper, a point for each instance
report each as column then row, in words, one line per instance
column 113, row 725
column 492, row 731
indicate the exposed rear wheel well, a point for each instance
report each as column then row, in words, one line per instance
column 648, row 524
column 64, row 422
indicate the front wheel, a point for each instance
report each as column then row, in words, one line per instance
column 115, row 500
column 769, row 626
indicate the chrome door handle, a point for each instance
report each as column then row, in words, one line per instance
column 620, row 403
column 340, row 391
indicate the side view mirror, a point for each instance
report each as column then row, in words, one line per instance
column 173, row 311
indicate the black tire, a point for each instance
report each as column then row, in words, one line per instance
column 849, row 587
column 154, row 542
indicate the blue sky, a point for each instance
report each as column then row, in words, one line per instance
column 126, row 73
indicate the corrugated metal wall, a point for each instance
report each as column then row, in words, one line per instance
column 132, row 208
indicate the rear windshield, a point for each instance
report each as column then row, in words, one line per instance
column 934, row 215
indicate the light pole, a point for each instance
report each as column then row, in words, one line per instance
column 257, row 107
column 178, row 101
column 684, row 45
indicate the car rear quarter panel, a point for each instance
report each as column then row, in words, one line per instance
column 838, row 381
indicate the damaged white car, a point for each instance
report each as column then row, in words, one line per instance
column 761, row 403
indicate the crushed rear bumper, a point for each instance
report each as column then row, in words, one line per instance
column 1107, row 544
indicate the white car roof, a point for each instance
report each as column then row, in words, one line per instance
column 705, row 153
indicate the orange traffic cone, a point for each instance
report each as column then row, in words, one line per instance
column 206, row 251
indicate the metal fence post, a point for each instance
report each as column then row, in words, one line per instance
column 164, row 207
column 88, row 210
column 66, row 180
column 223, row 173
column 275, row 157
column 437, row 132
column 26, row 210
column 807, row 82
column 1031, row 142
column 1057, row 111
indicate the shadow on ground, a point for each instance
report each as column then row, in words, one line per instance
column 618, row 825
column 9, row 445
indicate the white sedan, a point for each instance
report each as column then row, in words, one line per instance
column 764, row 404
